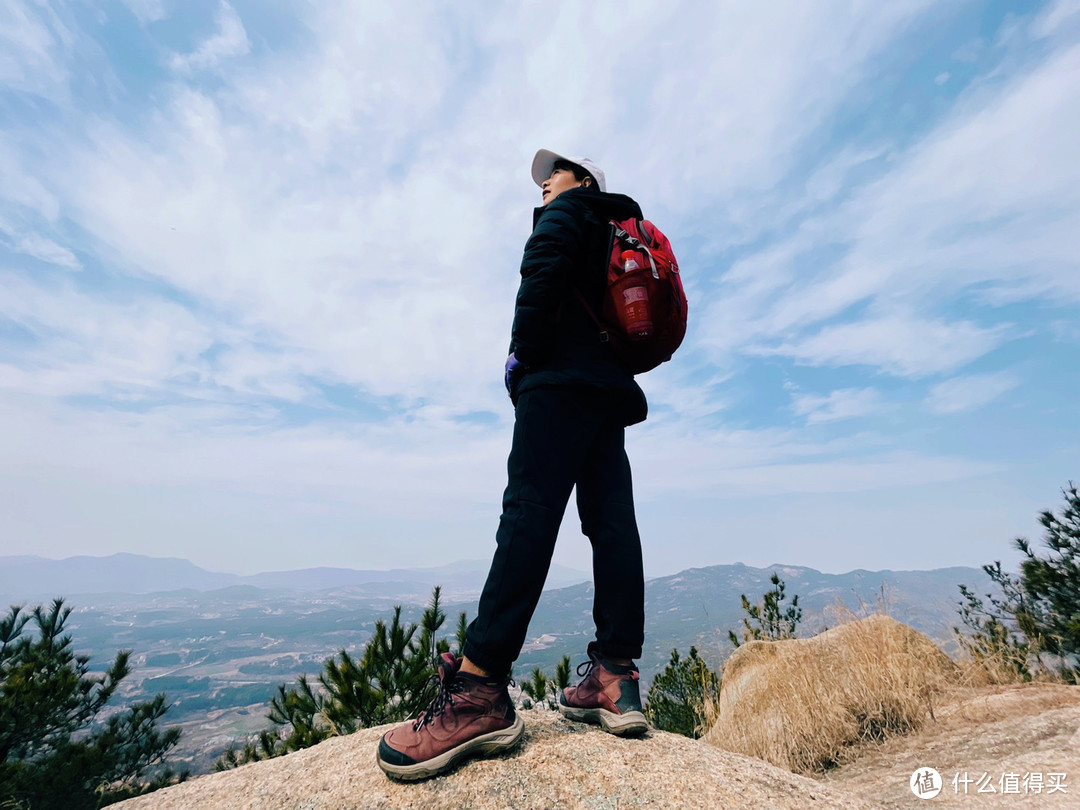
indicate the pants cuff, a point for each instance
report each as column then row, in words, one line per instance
column 610, row 650
column 492, row 666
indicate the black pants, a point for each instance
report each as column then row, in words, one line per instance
column 563, row 437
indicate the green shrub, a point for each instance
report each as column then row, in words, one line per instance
column 678, row 696
column 56, row 749
column 391, row 681
column 1033, row 625
column 769, row 620
column 542, row 690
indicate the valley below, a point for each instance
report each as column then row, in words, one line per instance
column 220, row 654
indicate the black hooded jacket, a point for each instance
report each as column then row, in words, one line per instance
column 553, row 335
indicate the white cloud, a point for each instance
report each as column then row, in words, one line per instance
column 1056, row 17
column 354, row 481
column 90, row 344
column 33, row 40
column 886, row 471
column 901, row 344
column 681, row 460
column 146, row 11
column 830, row 180
column 938, row 229
column 739, row 88
column 845, row 403
column 410, row 471
column 682, row 393
column 39, row 247
column 229, row 40
column 245, row 202
column 272, row 199
column 20, row 188
column 47, row 250
column 969, row 392
column 382, row 291
column 735, row 311
column 1065, row 331
column 942, row 221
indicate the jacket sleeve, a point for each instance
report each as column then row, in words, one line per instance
column 550, row 254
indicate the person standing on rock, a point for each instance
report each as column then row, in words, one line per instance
column 572, row 399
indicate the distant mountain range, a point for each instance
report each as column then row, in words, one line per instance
column 29, row 578
column 698, row 607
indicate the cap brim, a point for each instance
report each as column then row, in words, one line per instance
column 543, row 164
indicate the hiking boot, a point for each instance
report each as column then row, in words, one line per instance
column 608, row 695
column 470, row 716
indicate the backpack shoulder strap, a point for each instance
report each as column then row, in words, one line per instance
column 604, row 336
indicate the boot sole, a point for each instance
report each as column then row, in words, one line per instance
column 621, row 725
column 494, row 742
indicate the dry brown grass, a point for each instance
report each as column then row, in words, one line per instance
column 1007, row 667
column 994, row 671
column 806, row 704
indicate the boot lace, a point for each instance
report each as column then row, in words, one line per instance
column 443, row 698
column 585, row 668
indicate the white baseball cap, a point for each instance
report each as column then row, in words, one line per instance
column 544, row 162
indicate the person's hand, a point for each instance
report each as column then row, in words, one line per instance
column 514, row 369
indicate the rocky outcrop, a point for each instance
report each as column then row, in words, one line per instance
column 994, row 747
column 559, row 765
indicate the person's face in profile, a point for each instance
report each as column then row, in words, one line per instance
column 559, row 181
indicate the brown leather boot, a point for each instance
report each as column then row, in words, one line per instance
column 469, row 717
column 609, row 695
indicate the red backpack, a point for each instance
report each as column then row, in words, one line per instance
column 644, row 310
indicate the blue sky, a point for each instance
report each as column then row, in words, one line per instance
column 258, row 263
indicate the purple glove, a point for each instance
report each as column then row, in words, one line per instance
column 514, row 369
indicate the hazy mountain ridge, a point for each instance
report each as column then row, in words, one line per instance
column 695, row 606
column 699, row 605
column 26, row 578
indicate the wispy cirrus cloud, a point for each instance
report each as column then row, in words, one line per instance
column 31, row 41
column 229, row 40
column 146, row 11
column 1057, row 18
column 846, row 403
column 971, row 391
column 898, row 343
column 908, row 273
column 37, row 246
column 90, row 344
